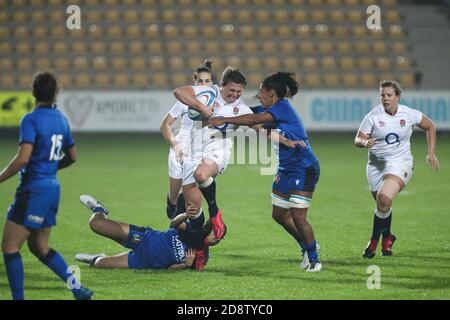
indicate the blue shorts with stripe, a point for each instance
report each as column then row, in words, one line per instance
column 36, row 203
column 302, row 179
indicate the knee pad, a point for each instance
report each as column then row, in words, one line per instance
column 300, row 202
column 280, row 202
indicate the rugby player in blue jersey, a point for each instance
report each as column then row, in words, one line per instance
column 45, row 146
column 181, row 246
column 298, row 171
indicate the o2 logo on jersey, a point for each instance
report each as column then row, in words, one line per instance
column 392, row 138
column 55, row 151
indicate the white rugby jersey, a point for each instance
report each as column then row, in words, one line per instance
column 221, row 108
column 180, row 110
column 391, row 132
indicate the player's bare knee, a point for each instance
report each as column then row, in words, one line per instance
column 383, row 202
column 200, row 176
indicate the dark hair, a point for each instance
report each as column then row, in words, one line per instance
column 283, row 83
column 206, row 66
column 392, row 83
column 232, row 74
column 45, row 87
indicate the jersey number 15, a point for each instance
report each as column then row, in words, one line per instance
column 55, row 152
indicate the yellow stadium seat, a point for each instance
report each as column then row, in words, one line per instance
column 244, row 15
column 19, row 3
column 100, row 63
column 138, row 64
column 362, row 47
column 344, row 47
column 231, row 47
column 383, row 63
column 20, row 32
column 7, row 81
column 23, row 64
column 79, row 48
column 315, row 2
column 399, row 47
column 326, row 47
column 101, row 80
column 347, row 62
column 281, row 15
column 5, row 48
column 81, row 63
column 155, row 47
column 112, row 15
column 303, row 31
column 254, row 79
column 209, row 31
column 299, row 16
column 41, row 48
column 359, row 31
column 117, row 47
column 252, row 63
column 206, row 15
column 20, row 16
column 119, row 63
column 212, row 46
column 318, row 16
column 98, row 48
column 60, row 47
column 328, row 62
column 114, row 31
column 24, row 80
column 152, row 31
column 307, row 47
column 150, row 3
column 350, row 80
column 159, row 80
column 368, row 80
column 62, row 64
column 291, row 63
column 157, row 63
column 227, row 31
column 82, row 80
column 271, row 63
column 4, row 17
column 4, row 32
column 36, row 2
column 136, row 47
column 149, row 15
column 356, row 16
column 6, row 64
column 333, row 2
column 337, row 15
column 225, row 15
column 93, row 16
column 288, row 47
column 95, row 31
column 193, row 46
column 407, row 80
column 234, row 61
column 379, row 47
column 241, row 3
column 310, row 63
column 247, row 31
column 262, row 15
column 331, row 80
column 111, row 2
column 396, row 31
column 38, row 16
column 176, row 63
column 121, row 80
column 250, row 46
column 265, row 31
column 392, row 16
column 365, row 62
column 57, row 16
column 133, row 31
column 23, row 48
column 269, row 47
column 171, row 30
column 352, row 3
column 340, row 31
column 311, row 80
column 140, row 80
column 169, row 15
column 402, row 62
column 131, row 16
column 42, row 64
column 190, row 31
column 179, row 79
column 284, row 31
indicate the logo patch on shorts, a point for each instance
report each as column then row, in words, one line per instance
column 35, row 219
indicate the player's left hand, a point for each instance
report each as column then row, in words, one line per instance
column 293, row 144
column 190, row 256
column 191, row 211
column 216, row 121
column 433, row 162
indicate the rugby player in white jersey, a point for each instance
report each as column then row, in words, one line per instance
column 386, row 132
column 210, row 148
column 203, row 75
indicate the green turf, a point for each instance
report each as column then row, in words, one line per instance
column 257, row 259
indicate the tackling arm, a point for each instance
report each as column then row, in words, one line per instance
column 20, row 159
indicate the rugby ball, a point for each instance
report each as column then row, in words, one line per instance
column 207, row 97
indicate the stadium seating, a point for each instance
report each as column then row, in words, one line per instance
column 157, row 44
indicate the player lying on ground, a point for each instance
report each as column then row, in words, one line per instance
column 184, row 245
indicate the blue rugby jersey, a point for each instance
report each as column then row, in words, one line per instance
column 47, row 129
column 290, row 125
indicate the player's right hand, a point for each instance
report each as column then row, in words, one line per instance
column 191, row 211
column 370, row 143
column 179, row 154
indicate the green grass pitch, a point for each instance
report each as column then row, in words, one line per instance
column 257, row 259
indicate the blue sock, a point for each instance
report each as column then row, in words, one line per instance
column 14, row 270
column 312, row 252
column 56, row 263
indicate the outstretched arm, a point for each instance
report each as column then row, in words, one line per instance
column 20, row 159
column 430, row 129
column 246, row 119
column 276, row 137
